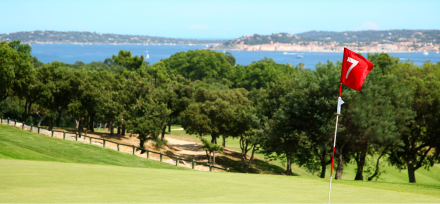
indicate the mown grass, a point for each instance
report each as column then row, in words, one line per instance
column 47, row 182
column 18, row 144
column 68, row 171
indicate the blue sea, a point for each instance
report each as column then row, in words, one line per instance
column 70, row 53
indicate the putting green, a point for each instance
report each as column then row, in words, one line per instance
column 42, row 182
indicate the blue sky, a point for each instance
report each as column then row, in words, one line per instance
column 216, row 19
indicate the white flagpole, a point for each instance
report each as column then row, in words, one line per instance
column 334, row 142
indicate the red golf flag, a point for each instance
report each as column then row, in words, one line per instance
column 355, row 69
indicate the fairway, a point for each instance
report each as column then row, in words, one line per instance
column 41, row 182
column 74, row 172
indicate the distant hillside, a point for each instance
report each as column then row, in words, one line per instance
column 365, row 37
column 95, row 38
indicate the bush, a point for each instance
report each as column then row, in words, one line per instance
column 159, row 143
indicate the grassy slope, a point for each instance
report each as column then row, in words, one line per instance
column 49, row 181
column 389, row 173
column 24, row 145
column 40, row 182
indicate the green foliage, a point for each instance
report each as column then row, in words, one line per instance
column 125, row 60
column 260, row 74
column 16, row 69
column 204, row 65
column 160, row 143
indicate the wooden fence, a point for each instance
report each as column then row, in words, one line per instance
column 105, row 144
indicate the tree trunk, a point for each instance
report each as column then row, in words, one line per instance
column 224, row 141
column 213, row 157
column 123, row 130
column 60, row 111
column 119, row 130
column 289, row 166
column 250, row 160
column 376, row 172
column 80, row 128
column 243, row 157
column 41, row 119
column 340, row 168
column 411, row 172
column 141, row 143
column 91, row 122
column 323, row 162
column 163, row 131
column 213, row 139
column 169, row 125
column 323, row 168
column 110, row 127
column 208, row 156
column 360, row 161
column 243, row 162
column 50, row 123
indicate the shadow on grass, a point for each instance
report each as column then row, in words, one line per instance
column 257, row 166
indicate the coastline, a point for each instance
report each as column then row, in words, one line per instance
column 172, row 44
column 321, row 51
column 212, row 47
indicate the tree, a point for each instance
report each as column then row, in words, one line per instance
column 213, row 113
column 145, row 114
column 126, row 60
column 204, row 65
column 54, row 81
column 251, row 131
column 210, row 150
column 16, row 69
column 259, row 74
column 419, row 135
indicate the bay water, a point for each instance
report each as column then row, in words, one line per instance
column 70, row 53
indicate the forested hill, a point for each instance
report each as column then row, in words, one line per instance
column 95, row 38
column 366, row 37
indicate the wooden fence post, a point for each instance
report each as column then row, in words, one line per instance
column 210, row 167
column 8, row 120
column 15, row 123
column 52, row 133
column 64, row 135
column 90, row 140
column 103, row 143
column 177, row 161
column 161, row 156
column 134, row 150
column 148, row 154
column 31, row 129
column 118, row 147
column 193, row 163
column 76, row 136
column 227, row 169
column 38, row 130
column 22, row 126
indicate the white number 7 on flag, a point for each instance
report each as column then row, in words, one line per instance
column 355, row 62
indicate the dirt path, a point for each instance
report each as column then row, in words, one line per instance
column 185, row 147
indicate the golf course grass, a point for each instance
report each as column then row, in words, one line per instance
column 19, row 144
column 40, row 169
column 42, row 182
